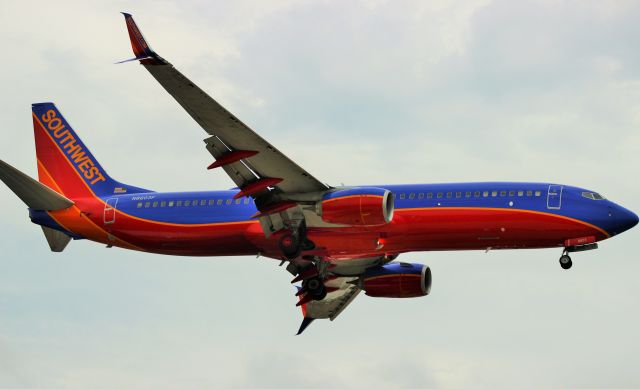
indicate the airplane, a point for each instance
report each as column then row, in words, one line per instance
column 336, row 241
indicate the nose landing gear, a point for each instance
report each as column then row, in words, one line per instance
column 565, row 261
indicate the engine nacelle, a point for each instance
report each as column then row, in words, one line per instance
column 364, row 206
column 399, row 280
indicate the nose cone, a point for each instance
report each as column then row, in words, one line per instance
column 625, row 219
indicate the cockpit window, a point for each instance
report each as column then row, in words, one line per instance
column 593, row 195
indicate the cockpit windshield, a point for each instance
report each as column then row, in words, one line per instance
column 593, row 195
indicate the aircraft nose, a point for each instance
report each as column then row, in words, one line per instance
column 625, row 219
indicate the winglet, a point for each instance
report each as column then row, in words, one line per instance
column 141, row 48
column 305, row 323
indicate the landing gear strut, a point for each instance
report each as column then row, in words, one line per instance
column 565, row 261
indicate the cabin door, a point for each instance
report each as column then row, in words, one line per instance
column 554, row 197
column 110, row 210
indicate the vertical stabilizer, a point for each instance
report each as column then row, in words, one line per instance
column 65, row 164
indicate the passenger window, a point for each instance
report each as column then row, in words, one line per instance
column 412, row 196
column 520, row 193
column 194, row 203
column 203, row 202
column 401, row 196
column 187, row 203
column 229, row 201
column 512, row 193
column 179, row 203
column 429, row 195
column 503, row 193
column 139, row 205
column 420, row 196
column 538, row 193
column 449, row 194
column 163, row 204
column 171, row 203
column 458, row 195
column 155, row 204
column 485, row 194
column 529, row 193
column 219, row 201
column 439, row 195
column 246, row 200
column 147, row 204
column 467, row 195
column 476, row 194
column 212, row 202
column 238, row 201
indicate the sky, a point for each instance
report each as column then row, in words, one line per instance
column 359, row 92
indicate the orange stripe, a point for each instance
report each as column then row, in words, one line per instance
column 605, row 233
column 74, row 212
column 50, row 182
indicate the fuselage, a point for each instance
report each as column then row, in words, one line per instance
column 462, row 216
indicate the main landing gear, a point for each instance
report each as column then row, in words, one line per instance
column 312, row 276
column 308, row 269
column 315, row 288
column 293, row 243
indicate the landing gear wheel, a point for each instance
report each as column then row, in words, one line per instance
column 307, row 245
column 565, row 262
column 315, row 287
column 290, row 246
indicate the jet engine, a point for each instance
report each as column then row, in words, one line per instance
column 357, row 207
column 399, row 280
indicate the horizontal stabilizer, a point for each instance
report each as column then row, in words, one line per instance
column 37, row 196
column 57, row 240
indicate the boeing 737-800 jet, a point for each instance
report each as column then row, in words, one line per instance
column 336, row 241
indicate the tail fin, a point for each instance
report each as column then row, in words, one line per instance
column 65, row 164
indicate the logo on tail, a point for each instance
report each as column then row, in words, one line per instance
column 75, row 151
